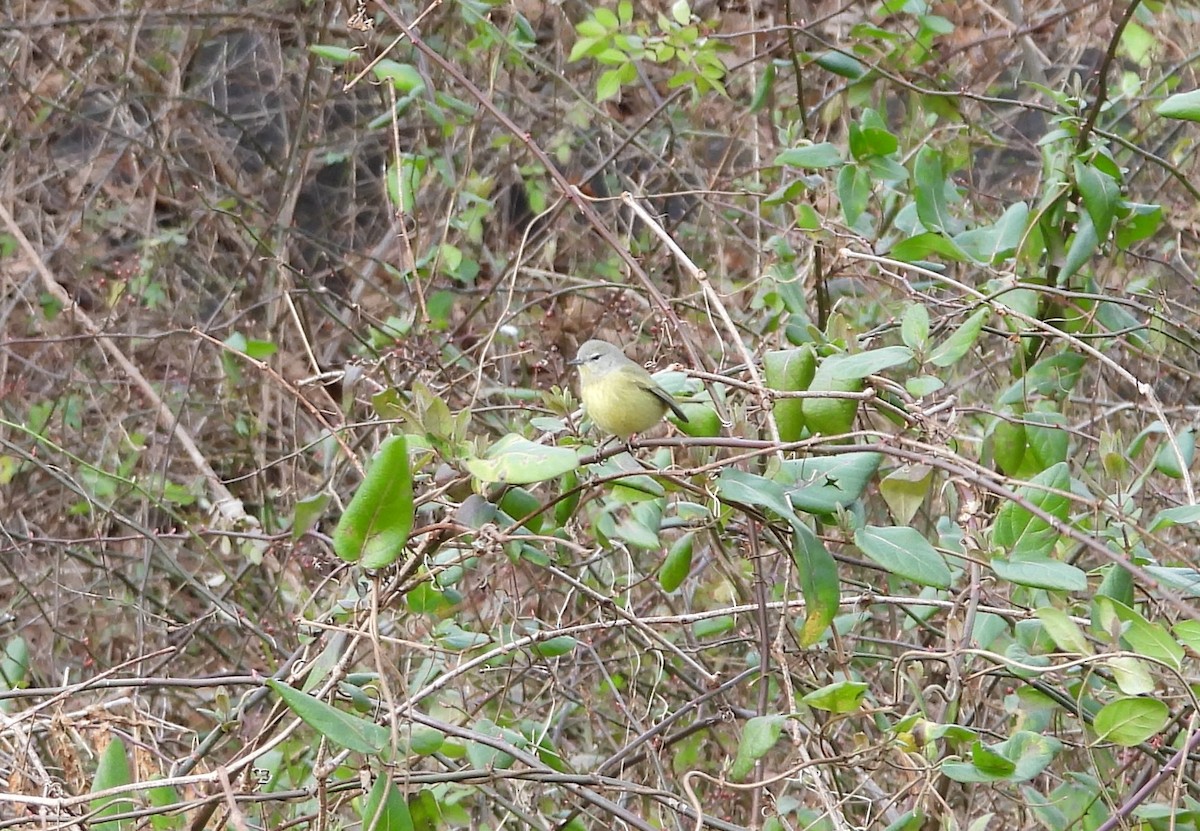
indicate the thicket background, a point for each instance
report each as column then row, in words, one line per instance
column 949, row 582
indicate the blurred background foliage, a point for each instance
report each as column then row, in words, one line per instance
column 921, row 274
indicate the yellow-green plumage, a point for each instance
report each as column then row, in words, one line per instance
column 618, row 394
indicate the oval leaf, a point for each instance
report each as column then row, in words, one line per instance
column 677, row 564
column 949, row 351
column 111, row 772
column 905, row 553
column 1131, row 721
column 518, row 461
column 812, row 156
column 375, row 526
column 839, row 697
column 818, row 582
column 760, row 734
column 1185, row 105
column 385, row 808
column 340, row 728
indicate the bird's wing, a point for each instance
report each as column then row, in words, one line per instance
column 666, row 398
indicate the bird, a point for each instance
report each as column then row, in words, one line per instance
column 619, row 394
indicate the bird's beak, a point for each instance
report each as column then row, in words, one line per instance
column 574, row 362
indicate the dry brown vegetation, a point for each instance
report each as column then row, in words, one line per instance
column 213, row 311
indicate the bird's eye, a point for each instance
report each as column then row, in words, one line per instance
column 595, row 357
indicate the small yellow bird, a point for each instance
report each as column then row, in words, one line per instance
column 618, row 393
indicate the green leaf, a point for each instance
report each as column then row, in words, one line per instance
column 917, row 248
column 862, row 364
column 453, row 637
column 1131, row 675
column 1185, row 580
column 703, row 421
column 854, row 192
column 1040, row 572
column 812, row 156
column 1018, row 759
column 112, row 771
column 518, row 461
column 307, row 512
column 431, row 814
column 1188, row 633
column 1031, row 752
column 886, row 169
column 1130, row 721
column 1101, row 196
column 678, row 563
column 1065, row 633
column 554, row 647
column 830, row 416
column 518, row 503
column 953, row 348
column 840, row 697
column 403, row 76
column 905, row 553
column 385, row 809
column 341, row 728
column 425, row 741
column 1117, row 584
column 911, row 820
column 337, row 54
column 1142, row 223
column 844, row 373
column 609, row 85
column 823, row 484
column 424, row 599
column 606, row 18
column 591, row 27
column 484, row 755
column 790, row 370
column 1018, row 530
column 1009, row 446
column 403, row 180
column 760, row 734
column 14, row 666
column 1167, row 461
column 1053, row 377
column 871, row 138
column 922, row 385
column 584, row 44
column 930, row 186
column 1183, row 105
column 1083, row 245
column 914, row 327
column 642, row 525
column 164, row 796
column 998, row 242
column 1047, row 440
column 818, row 575
column 374, row 529
column 1149, row 639
column 990, row 762
column 766, row 85
column 905, row 489
column 1115, row 317
column 986, row 765
column 738, row 486
column 839, row 63
column 711, row 627
column 807, row 218
column 1153, row 641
